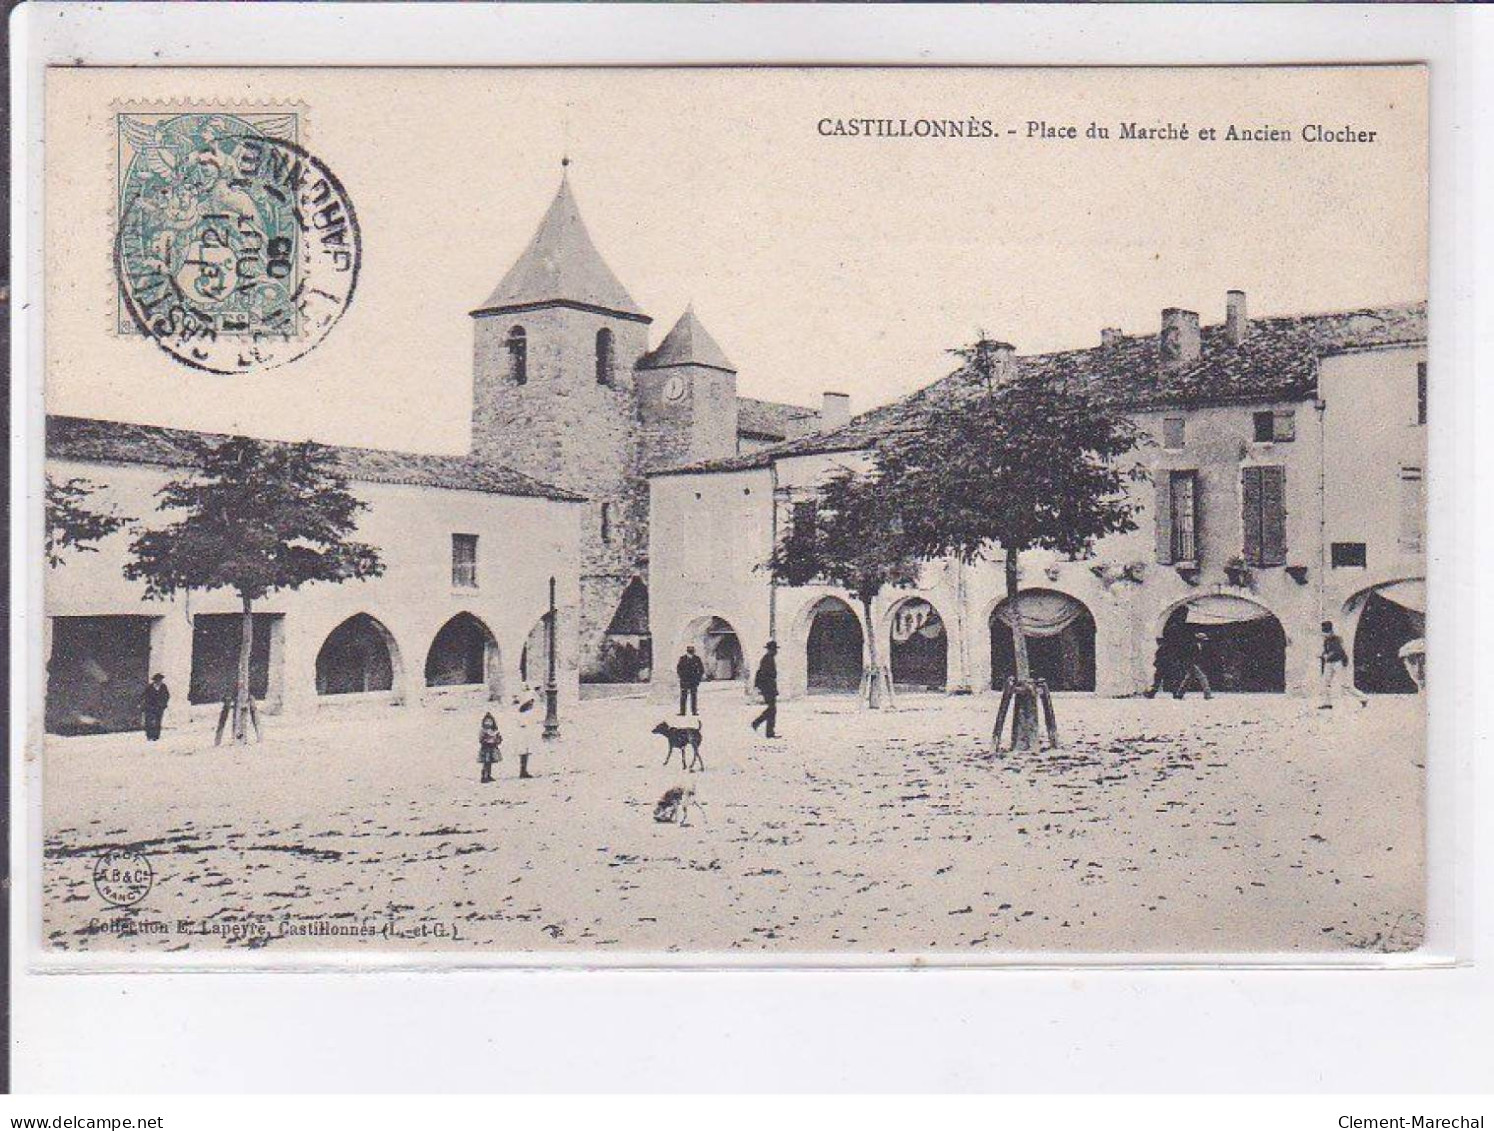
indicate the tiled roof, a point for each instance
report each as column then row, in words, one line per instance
column 773, row 420
column 107, row 441
column 1276, row 362
column 687, row 343
column 562, row 265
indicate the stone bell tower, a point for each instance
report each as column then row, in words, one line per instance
column 555, row 348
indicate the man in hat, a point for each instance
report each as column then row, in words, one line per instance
column 691, row 670
column 766, row 682
column 1190, row 663
column 153, row 705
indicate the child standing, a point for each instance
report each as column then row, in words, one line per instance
column 488, row 742
column 524, row 730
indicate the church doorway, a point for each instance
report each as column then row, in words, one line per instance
column 834, row 649
column 1059, row 631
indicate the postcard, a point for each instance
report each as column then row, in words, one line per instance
column 916, row 514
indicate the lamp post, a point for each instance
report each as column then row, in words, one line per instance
column 552, row 693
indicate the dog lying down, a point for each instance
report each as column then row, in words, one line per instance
column 680, row 737
column 675, row 805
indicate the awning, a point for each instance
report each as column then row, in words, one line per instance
column 1410, row 594
column 1044, row 612
column 916, row 617
column 1221, row 608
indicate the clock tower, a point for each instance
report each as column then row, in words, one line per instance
column 687, row 397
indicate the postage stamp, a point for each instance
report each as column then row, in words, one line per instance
column 236, row 249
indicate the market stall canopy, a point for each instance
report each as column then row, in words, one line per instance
column 1044, row 612
column 1222, row 608
column 1411, row 594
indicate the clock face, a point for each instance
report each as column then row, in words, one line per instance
column 674, row 388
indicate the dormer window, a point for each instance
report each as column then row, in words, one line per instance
column 518, row 355
column 604, row 357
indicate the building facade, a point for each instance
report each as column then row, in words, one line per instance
column 468, row 549
column 1285, row 460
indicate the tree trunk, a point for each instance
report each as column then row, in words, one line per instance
column 1024, row 704
column 1019, row 639
column 876, row 696
column 241, row 691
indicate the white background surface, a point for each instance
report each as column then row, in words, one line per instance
column 1060, row 1030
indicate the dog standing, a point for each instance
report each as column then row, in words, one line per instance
column 680, row 738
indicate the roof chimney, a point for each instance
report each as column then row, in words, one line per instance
column 1236, row 323
column 1179, row 344
column 1110, row 336
column 835, row 411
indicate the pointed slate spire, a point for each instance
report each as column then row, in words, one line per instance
column 561, row 266
column 688, row 344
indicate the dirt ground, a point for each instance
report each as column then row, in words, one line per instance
column 1249, row 823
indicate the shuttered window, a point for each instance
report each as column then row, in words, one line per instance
column 1278, row 426
column 1177, row 517
column 464, row 561
column 1263, row 494
column 1421, row 393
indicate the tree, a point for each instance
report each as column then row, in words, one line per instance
column 1010, row 462
column 71, row 523
column 255, row 517
column 852, row 542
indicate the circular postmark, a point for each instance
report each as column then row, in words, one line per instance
column 237, row 251
column 122, row 878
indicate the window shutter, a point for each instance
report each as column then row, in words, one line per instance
column 1195, row 488
column 1162, row 504
column 1273, row 516
column 1285, row 425
column 1250, row 510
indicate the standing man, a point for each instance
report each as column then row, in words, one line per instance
column 1333, row 662
column 1162, row 665
column 766, row 682
column 1190, row 663
column 153, row 705
column 691, row 671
